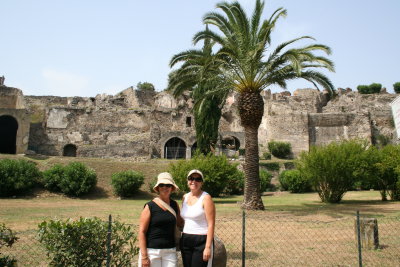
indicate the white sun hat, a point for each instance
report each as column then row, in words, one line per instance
column 195, row 171
column 165, row 178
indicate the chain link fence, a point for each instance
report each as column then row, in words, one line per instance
column 262, row 238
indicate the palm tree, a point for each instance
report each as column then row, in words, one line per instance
column 199, row 74
column 243, row 42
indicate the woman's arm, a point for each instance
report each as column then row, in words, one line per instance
column 209, row 209
column 179, row 220
column 143, row 226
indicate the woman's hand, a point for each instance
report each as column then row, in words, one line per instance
column 206, row 254
column 146, row 262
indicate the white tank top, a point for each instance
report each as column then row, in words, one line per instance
column 194, row 216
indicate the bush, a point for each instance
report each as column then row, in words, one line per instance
column 127, row 183
column 242, row 151
column 271, row 166
column 291, row 180
column 75, row 179
column 236, row 187
column 280, row 150
column 52, row 178
column 7, row 238
column 219, row 175
column 267, row 155
column 83, row 242
column 388, row 176
column 17, row 177
column 78, row 179
column 396, row 87
column 373, row 88
column 265, row 180
column 145, row 86
column 332, row 170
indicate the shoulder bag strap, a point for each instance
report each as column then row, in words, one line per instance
column 165, row 205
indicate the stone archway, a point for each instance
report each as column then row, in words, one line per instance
column 230, row 145
column 69, row 150
column 230, row 142
column 8, row 134
column 175, row 148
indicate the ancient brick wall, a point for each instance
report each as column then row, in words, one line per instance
column 139, row 124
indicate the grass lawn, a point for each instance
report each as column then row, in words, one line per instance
column 26, row 213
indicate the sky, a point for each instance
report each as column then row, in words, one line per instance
column 90, row 47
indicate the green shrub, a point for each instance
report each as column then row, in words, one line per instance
column 388, row 176
column 7, row 239
column 396, row 87
column 242, row 151
column 220, row 176
column 83, row 242
column 291, row 180
column 267, row 155
column 332, row 170
column 77, row 179
column 265, row 180
column 145, row 86
column 17, row 177
column 373, row 88
column 235, row 185
column 127, row 183
column 271, row 166
column 280, row 150
column 363, row 89
column 52, row 178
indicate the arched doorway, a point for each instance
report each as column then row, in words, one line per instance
column 8, row 134
column 69, row 150
column 230, row 144
column 175, row 148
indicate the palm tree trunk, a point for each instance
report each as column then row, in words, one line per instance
column 252, row 195
column 251, row 110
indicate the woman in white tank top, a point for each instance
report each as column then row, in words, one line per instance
column 198, row 211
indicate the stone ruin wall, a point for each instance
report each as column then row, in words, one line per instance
column 309, row 118
column 12, row 105
column 137, row 124
column 130, row 124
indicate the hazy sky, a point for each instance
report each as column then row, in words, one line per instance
column 90, row 47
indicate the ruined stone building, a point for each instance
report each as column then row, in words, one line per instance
column 143, row 125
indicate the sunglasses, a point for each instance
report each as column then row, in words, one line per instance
column 165, row 185
column 197, row 179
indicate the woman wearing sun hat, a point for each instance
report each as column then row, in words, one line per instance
column 157, row 226
column 198, row 211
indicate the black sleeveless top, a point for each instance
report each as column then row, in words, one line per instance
column 160, row 233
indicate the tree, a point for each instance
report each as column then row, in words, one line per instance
column 145, row 86
column 242, row 61
column 199, row 74
column 396, row 87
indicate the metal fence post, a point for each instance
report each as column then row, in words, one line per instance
column 243, row 239
column 359, row 240
column 109, row 241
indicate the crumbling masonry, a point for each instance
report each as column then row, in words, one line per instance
column 143, row 125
